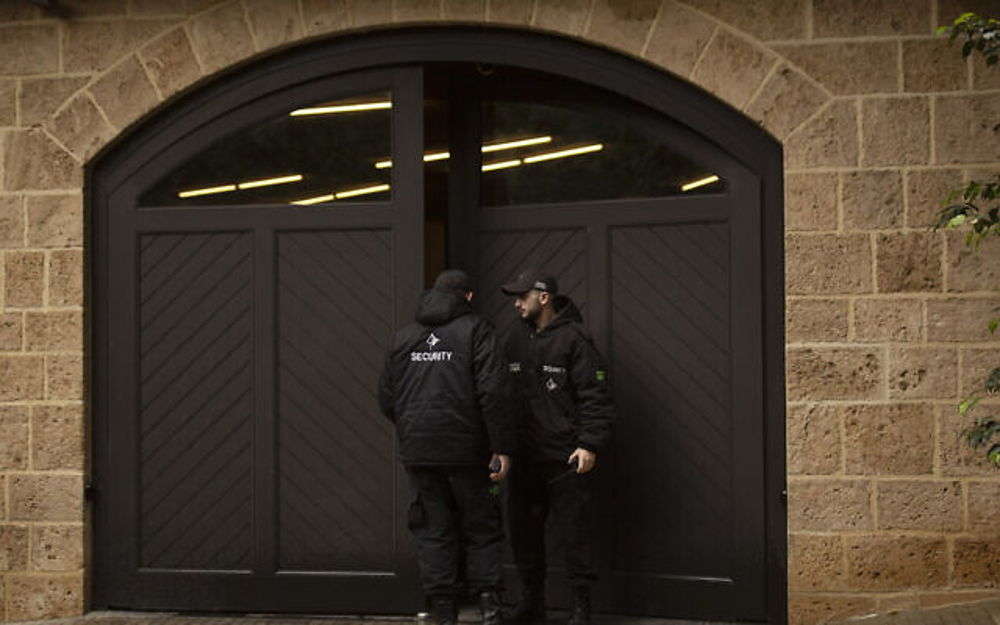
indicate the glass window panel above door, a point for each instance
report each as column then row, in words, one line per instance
column 548, row 141
column 319, row 153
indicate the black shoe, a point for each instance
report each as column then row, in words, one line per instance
column 531, row 607
column 489, row 608
column 581, row 606
column 444, row 611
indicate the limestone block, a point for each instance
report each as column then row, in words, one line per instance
column 961, row 319
column 814, row 445
column 955, row 456
column 812, row 320
column 977, row 562
column 509, row 11
column 13, row 547
column 923, row 373
column 416, row 10
column 11, row 221
column 170, row 62
column 29, row 49
column 273, row 22
column 32, row 597
column 57, row 548
column 829, row 505
column 37, row 497
column 324, row 16
column 35, row 162
column 13, row 438
column 465, row 10
column 983, row 76
column 786, row 100
column 568, row 16
column 828, row 140
column 40, row 97
column 125, row 93
column 65, row 376
column 220, row 37
column 622, row 25
column 858, row 18
column 984, row 505
column 972, row 269
column 835, row 65
column 16, row 11
column 11, row 329
column 889, row 439
column 764, row 19
column 80, row 127
column 828, row 264
column 834, row 373
column 815, row 609
column 23, row 279
column 57, row 438
column 872, row 200
column 732, row 68
column 55, row 220
column 678, row 39
column 923, row 505
column 94, row 8
column 896, row 131
column 370, row 12
column 886, row 562
column 94, row 45
column 966, row 128
column 815, row 562
column 908, row 261
column 887, row 320
column 66, row 278
column 179, row 7
column 926, row 192
column 811, row 201
column 8, row 101
column 932, row 65
column 53, row 331
column 976, row 366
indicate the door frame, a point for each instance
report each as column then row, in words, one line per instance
column 653, row 87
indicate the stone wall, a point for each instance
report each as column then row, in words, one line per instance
column 886, row 323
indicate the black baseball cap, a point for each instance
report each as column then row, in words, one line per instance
column 453, row 280
column 531, row 279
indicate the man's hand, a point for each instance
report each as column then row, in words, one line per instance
column 585, row 460
column 497, row 474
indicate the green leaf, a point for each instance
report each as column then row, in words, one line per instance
column 993, row 455
column 992, row 384
column 967, row 405
column 967, row 48
column 957, row 221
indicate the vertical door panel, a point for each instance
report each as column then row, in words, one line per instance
column 335, row 451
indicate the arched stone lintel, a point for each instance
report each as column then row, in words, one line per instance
column 671, row 35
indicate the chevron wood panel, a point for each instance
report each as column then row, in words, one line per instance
column 195, row 389
column 335, row 451
column 502, row 255
column 672, row 379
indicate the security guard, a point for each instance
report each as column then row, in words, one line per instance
column 443, row 388
column 566, row 421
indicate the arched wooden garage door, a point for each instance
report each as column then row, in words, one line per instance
column 255, row 245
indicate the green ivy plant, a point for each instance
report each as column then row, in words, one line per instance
column 976, row 208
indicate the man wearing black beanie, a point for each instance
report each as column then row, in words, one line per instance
column 443, row 388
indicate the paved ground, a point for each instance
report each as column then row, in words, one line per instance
column 981, row 613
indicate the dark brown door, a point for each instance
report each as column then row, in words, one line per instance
column 653, row 232
column 259, row 266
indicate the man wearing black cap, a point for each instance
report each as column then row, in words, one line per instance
column 443, row 388
column 566, row 421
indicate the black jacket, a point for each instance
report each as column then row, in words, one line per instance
column 560, row 383
column 443, row 386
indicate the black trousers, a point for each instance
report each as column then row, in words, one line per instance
column 455, row 517
column 538, row 491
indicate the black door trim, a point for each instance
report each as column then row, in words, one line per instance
column 644, row 83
